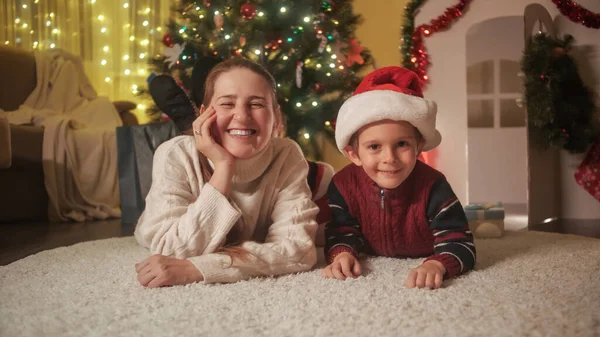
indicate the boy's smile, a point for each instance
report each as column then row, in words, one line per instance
column 387, row 151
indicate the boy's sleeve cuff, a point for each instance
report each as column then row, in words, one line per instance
column 337, row 250
column 452, row 264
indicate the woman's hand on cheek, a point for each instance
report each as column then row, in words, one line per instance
column 205, row 141
column 160, row 271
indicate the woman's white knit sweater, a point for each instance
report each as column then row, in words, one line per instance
column 269, row 205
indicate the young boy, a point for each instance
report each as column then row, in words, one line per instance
column 388, row 203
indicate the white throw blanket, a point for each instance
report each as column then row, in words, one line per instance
column 79, row 150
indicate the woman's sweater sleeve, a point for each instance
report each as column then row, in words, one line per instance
column 175, row 222
column 289, row 245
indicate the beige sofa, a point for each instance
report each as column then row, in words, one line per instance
column 22, row 191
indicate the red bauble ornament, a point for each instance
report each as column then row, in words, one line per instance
column 319, row 88
column 248, row 11
column 167, row 40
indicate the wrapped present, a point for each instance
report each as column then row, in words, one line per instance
column 486, row 220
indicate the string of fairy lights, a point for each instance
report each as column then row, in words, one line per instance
column 115, row 38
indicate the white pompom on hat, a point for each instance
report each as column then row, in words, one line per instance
column 392, row 93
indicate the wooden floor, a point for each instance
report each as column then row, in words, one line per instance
column 20, row 240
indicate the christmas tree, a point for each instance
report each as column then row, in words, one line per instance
column 309, row 46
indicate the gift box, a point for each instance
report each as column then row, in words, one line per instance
column 486, row 220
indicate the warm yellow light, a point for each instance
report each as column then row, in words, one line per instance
column 333, row 56
column 93, row 1
column 31, row 32
column 285, row 58
column 52, row 45
column 103, row 62
column 329, row 49
column 261, row 13
column 17, row 20
column 103, row 30
column 101, row 17
column 142, row 55
column 134, row 87
column 107, row 79
column 298, row 104
column 48, row 23
column 24, row 25
column 201, row 16
column 36, row 1
column 257, row 52
column 227, row 37
column 6, row 42
column 142, row 71
column 125, row 57
column 105, row 48
column 216, row 12
column 145, row 23
column 327, row 123
column 197, row 8
column 126, row 5
column 306, row 135
column 127, row 71
column 319, row 66
column 144, row 42
column 51, row 15
column 159, row 29
column 315, row 103
column 55, row 31
column 147, row 10
column 141, row 106
column 24, row 6
column 335, row 22
column 307, row 61
column 306, row 19
column 328, row 74
column 341, row 67
column 283, row 10
column 131, row 38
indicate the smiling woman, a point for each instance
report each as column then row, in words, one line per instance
column 231, row 202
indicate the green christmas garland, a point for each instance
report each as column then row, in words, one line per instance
column 560, row 107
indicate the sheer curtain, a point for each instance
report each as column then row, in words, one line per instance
column 115, row 38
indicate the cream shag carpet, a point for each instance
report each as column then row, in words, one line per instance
column 525, row 284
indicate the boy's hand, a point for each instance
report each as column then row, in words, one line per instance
column 343, row 266
column 430, row 274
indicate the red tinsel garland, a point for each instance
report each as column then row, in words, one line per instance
column 418, row 52
column 578, row 14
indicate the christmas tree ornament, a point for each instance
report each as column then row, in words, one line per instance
column 248, row 11
column 242, row 40
column 588, row 172
column 299, row 65
column 322, row 44
column 167, row 40
column 354, row 50
column 319, row 87
column 218, row 18
column 172, row 54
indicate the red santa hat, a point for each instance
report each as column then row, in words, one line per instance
column 388, row 93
